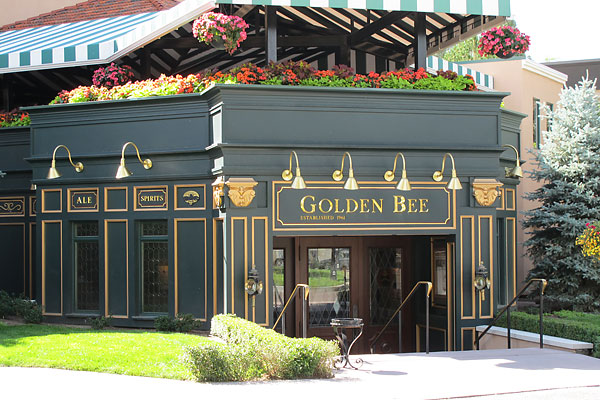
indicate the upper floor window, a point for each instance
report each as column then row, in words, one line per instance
column 537, row 123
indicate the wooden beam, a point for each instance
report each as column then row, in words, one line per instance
column 271, row 33
column 376, row 26
column 420, row 43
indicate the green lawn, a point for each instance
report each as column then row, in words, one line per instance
column 119, row 352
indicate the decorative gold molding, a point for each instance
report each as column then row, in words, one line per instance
column 107, row 190
column 241, row 191
column 106, row 266
column 218, row 192
column 486, row 191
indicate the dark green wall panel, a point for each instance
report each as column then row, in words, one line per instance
column 465, row 270
column 116, row 199
column 191, row 268
column 52, row 267
column 485, row 226
column 12, row 248
column 260, row 261
column 238, row 264
column 116, row 268
column 218, row 265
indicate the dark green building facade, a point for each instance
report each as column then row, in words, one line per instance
column 182, row 236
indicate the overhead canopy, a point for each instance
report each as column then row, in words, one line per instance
column 368, row 35
column 91, row 42
column 473, row 7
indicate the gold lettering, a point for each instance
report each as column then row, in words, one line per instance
column 348, row 210
column 411, row 205
column 399, row 201
column 364, row 203
column 321, row 206
column 378, row 206
column 337, row 210
column 423, row 205
column 312, row 205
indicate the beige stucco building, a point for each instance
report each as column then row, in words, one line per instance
column 531, row 86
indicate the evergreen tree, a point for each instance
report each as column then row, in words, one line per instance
column 569, row 166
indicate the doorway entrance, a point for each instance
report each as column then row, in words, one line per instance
column 349, row 277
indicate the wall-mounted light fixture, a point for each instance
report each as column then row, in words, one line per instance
column 123, row 172
column 298, row 182
column 403, row 184
column 481, row 281
column 338, row 174
column 254, row 285
column 454, row 183
column 2, row 174
column 53, row 172
column 515, row 172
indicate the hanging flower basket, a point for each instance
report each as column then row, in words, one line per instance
column 112, row 75
column 221, row 31
column 503, row 42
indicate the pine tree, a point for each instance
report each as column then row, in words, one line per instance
column 569, row 167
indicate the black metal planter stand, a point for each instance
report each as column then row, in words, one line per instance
column 343, row 327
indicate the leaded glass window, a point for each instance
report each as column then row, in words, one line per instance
column 87, row 266
column 386, row 282
column 329, row 282
column 154, row 244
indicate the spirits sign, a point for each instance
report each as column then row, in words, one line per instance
column 154, row 198
column 83, row 200
column 374, row 206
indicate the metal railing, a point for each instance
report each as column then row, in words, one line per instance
column 305, row 290
column 543, row 284
column 404, row 302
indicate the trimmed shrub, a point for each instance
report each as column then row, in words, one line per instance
column 217, row 362
column 181, row 323
column 101, row 322
column 565, row 324
column 263, row 352
column 7, row 304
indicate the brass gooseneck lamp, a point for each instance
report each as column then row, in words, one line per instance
column 403, row 184
column 123, row 172
column 298, row 182
column 454, row 183
column 53, row 172
column 516, row 172
column 338, row 174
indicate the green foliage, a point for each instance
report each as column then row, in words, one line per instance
column 14, row 119
column 216, row 362
column 569, row 168
column 181, row 323
column 464, row 51
column 133, row 352
column 262, row 353
column 21, row 307
column 7, row 305
column 564, row 324
column 100, row 323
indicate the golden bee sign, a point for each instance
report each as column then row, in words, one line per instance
column 374, row 206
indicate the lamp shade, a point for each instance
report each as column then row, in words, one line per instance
column 53, row 172
column 454, row 184
column 298, row 182
column 123, row 172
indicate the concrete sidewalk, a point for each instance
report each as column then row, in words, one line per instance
column 486, row 374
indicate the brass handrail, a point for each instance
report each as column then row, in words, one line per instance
column 306, row 290
column 543, row 284
column 428, row 293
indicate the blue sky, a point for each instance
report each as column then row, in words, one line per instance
column 559, row 29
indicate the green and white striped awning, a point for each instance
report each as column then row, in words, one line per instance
column 91, row 42
column 483, row 81
column 474, row 7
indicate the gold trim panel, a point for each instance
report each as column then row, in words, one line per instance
column 138, row 207
column 366, row 226
column 106, row 284
column 245, row 220
column 512, row 197
column 175, row 221
column 12, row 206
column 514, row 257
column 266, row 276
column 203, row 194
column 462, row 337
column 491, row 263
column 462, row 297
column 501, row 190
column 32, row 205
column 215, row 283
column 73, row 191
column 115, row 188
column 46, row 211
column 32, row 232
column 43, row 247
